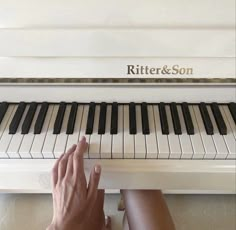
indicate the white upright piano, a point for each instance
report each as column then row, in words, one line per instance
column 151, row 84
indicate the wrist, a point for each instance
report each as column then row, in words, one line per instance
column 55, row 226
column 51, row 227
column 62, row 226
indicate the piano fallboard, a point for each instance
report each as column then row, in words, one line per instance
column 168, row 92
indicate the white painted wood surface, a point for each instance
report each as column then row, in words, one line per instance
column 185, row 176
column 110, row 13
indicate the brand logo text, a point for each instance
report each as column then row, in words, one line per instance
column 163, row 70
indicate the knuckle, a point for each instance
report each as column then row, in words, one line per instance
column 70, row 158
column 74, row 177
column 57, row 188
column 92, row 197
column 54, row 170
column 67, row 153
column 64, row 182
column 76, row 157
column 81, row 155
column 63, row 161
column 61, row 157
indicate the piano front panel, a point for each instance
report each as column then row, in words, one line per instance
column 172, row 176
column 81, row 68
column 101, row 45
column 117, row 42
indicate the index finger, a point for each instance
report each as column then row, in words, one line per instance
column 78, row 158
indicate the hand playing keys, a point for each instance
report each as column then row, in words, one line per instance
column 76, row 204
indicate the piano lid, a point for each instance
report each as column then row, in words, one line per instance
column 118, row 14
column 171, row 40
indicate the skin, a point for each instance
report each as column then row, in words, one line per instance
column 146, row 209
column 78, row 205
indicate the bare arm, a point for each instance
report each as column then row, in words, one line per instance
column 147, row 209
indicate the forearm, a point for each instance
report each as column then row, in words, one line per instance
column 147, row 209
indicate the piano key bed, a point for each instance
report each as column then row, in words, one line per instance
column 123, row 131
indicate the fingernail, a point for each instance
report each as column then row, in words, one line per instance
column 97, row 169
column 83, row 138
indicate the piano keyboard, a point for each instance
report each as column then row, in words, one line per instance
column 119, row 131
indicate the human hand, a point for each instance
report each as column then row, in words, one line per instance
column 73, row 199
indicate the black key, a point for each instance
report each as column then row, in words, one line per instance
column 90, row 121
column 132, row 119
column 59, row 118
column 145, row 121
column 232, row 108
column 163, row 119
column 72, row 118
column 206, row 119
column 41, row 118
column 187, row 119
column 175, row 118
column 114, row 118
column 102, row 118
column 28, row 118
column 219, row 119
column 17, row 118
column 3, row 110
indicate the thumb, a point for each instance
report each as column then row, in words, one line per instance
column 93, row 182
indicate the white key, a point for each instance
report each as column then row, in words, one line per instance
column 140, row 142
column 175, row 149
column 95, row 138
column 151, row 141
column 230, row 119
column 117, row 139
column 61, row 138
column 6, row 137
column 83, row 128
column 74, row 138
column 106, row 139
column 128, row 138
column 4, row 129
column 218, row 139
column 28, row 139
column 229, row 138
column 162, row 140
column 50, row 138
column 13, row 149
column 186, row 145
column 5, row 119
column 36, row 149
column 196, row 139
column 206, row 139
